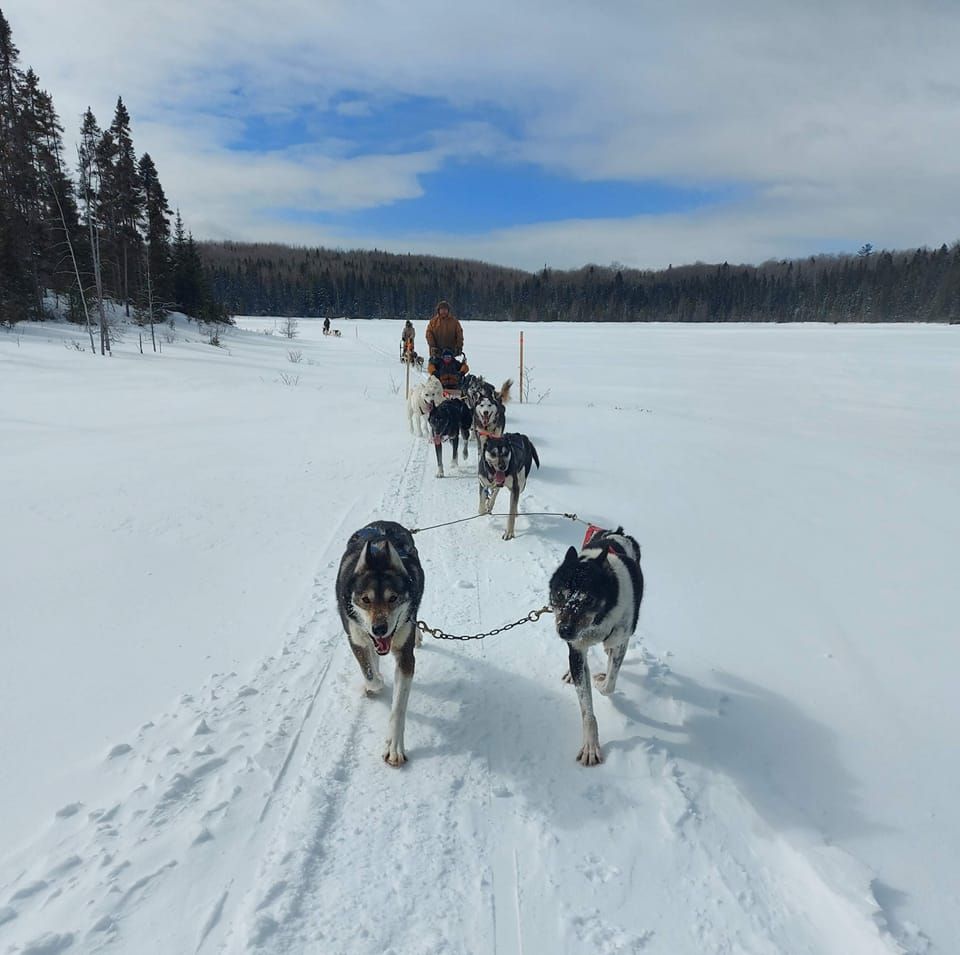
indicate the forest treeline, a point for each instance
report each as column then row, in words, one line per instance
column 870, row 286
column 86, row 227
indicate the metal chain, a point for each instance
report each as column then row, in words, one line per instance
column 437, row 633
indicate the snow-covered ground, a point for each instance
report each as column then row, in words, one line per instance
column 187, row 763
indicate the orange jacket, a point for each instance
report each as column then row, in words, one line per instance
column 444, row 333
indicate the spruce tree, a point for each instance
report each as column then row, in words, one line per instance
column 157, row 229
column 124, row 198
column 15, row 285
column 91, row 179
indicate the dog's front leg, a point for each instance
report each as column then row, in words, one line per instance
column 514, row 501
column 438, row 446
column 369, row 667
column 455, row 444
column 589, row 754
column 492, row 493
column 484, row 497
column 606, row 683
column 394, row 752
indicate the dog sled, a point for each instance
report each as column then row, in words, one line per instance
column 409, row 357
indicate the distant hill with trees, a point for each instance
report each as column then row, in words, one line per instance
column 261, row 279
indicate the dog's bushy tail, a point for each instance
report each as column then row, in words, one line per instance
column 533, row 452
column 505, row 390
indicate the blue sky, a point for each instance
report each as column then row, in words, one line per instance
column 530, row 133
column 477, row 194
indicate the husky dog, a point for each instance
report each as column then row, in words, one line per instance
column 450, row 420
column 474, row 387
column 506, row 461
column 429, row 392
column 379, row 589
column 596, row 597
column 489, row 418
column 470, row 387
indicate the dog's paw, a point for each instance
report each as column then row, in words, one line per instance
column 373, row 687
column 393, row 754
column 600, row 682
column 507, row 536
column 567, row 678
column 590, row 754
column 439, row 474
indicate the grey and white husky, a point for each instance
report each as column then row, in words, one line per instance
column 505, row 462
column 379, row 589
column 595, row 596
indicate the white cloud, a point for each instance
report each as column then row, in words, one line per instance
column 842, row 121
column 354, row 107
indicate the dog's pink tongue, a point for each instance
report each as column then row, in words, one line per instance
column 382, row 644
column 499, row 477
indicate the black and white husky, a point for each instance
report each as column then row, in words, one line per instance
column 450, row 421
column 506, row 461
column 379, row 589
column 595, row 596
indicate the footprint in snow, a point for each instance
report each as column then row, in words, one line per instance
column 50, row 943
column 596, row 870
column 205, row 835
column 71, row 862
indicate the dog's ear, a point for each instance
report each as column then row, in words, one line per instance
column 376, row 553
column 395, row 562
column 363, row 560
column 571, row 556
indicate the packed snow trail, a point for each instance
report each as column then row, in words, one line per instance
column 258, row 815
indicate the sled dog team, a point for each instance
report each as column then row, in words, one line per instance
column 595, row 593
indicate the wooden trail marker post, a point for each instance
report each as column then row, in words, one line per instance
column 521, row 367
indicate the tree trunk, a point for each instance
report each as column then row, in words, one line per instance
column 76, row 270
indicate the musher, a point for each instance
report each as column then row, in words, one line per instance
column 444, row 331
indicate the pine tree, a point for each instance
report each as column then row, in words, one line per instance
column 122, row 197
column 157, row 229
column 91, row 178
column 15, row 285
